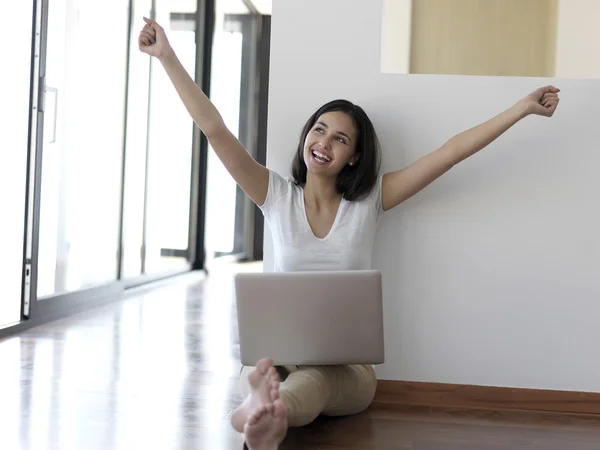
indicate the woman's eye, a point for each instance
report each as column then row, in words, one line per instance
column 342, row 140
column 319, row 130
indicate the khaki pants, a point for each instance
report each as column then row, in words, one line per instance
column 309, row 391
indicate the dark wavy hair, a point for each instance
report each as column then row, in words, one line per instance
column 356, row 181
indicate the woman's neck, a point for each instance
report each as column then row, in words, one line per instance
column 321, row 193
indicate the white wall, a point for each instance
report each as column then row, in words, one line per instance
column 396, row 34
column 578, row 41
column 491, row 273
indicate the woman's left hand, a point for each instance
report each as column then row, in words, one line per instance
column 542, row 101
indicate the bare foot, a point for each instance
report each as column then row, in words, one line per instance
column 267, row 427
column 264, row 389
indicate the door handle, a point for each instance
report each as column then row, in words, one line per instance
column 55, row 118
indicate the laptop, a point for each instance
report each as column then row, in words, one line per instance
column 310, row 318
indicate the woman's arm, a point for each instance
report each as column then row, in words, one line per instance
column 252, row 177
column 403, row 184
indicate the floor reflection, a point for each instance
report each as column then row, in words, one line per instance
column 158, row 370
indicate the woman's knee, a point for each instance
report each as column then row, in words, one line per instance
column 366, row 385
column 306, row 392
column 355, row 390
column 300, row 412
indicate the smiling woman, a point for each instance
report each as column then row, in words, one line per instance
column 326, row 217
column 342, row 132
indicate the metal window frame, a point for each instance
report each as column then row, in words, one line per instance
column 264, row 58
column 205, row 25
column 31, row 247
column 255, row 30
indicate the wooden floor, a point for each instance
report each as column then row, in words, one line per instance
column 159, row 371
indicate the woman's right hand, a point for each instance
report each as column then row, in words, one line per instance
column 153, row 40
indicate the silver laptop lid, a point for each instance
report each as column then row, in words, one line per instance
column 310, row 318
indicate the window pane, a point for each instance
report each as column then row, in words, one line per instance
column 135, row 155
column 225, row 93
column 16, row 33
column 83, row 143
column 170, row 146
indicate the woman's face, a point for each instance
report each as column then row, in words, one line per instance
column 330, row 145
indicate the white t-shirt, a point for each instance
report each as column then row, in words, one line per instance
column 349, row 244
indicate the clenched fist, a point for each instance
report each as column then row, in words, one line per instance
column 153, row 40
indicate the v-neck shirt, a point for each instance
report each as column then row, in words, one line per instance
column 347, row 246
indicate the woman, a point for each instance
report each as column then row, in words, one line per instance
column 323, row 219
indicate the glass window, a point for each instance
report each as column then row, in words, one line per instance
column 16, row 33
column 134, row 195
column 224, row 199
column 83, row 144
column 170, row 137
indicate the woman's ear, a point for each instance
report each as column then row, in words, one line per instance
column 354, row 159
